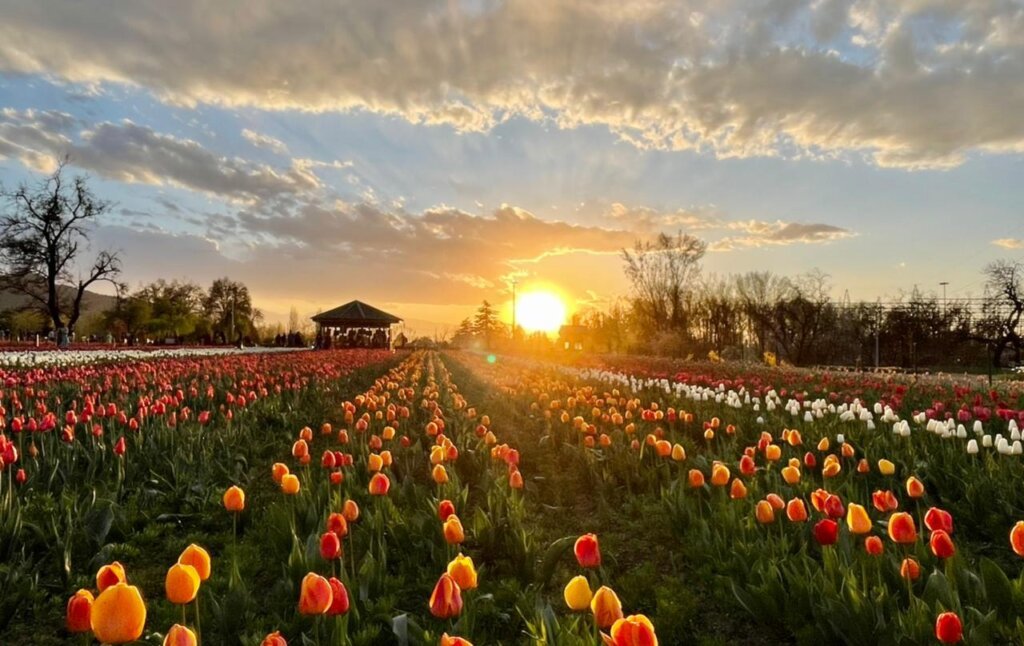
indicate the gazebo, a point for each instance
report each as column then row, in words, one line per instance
column 354, row 325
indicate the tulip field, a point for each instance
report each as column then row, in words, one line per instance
column 369, row 497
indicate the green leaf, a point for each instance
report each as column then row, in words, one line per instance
column 552, row 555
column 998, row 589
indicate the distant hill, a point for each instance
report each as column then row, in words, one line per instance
column 92, row 303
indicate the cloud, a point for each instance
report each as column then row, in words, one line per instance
column 128, row 152
column 265, row 141
column 918, row 84
column 1009, row 243
column 778, row 233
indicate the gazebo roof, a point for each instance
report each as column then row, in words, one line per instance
column 356, row 314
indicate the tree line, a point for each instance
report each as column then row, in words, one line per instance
column 672, row 309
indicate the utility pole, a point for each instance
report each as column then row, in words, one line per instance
column 878, row 327
column 944, row 283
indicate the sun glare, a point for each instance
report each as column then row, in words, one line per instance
column 540, row 312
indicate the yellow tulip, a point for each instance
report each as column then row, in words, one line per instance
column 577, row 593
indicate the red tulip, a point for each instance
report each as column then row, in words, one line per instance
column 339, row 599
column 588, row 552
column 948, row 628
column 826, row 532
column 936, row 518
column 941, row 544
column 330, row 546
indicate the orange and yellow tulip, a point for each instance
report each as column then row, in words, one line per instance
column 379, row 485
column 180, row 635
column 118, row 614
column 857, row 519
column 290, row 484
column 315, row 596
column 606, row 607
column 446, row 599
column 234, row 499
column 634, row 630
column 453, row 532
column 181, row 584
column 902, row 529
column 198, row 558
column 462, row 570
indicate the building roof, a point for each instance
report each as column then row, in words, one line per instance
column 356, row 314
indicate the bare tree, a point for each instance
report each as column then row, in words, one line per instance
column 662, row 272
column 42, row 231
column 1004, row 308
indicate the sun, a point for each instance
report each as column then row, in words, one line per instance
column 540, row 312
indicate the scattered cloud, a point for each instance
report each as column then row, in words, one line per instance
column 131, row 153
column 918, row 84
column 1009, row 243
column 265, row 141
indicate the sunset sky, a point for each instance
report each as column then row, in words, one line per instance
column 417, row 153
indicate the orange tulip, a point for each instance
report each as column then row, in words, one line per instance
column 773, row 452
column 279, row 471
column 337, row 525
column 118, row 614
column 446, row 599
column 350, row 510
column 915, row 488
column 181, row 584
column 453, row 532
column 776, row 501
column 453, row 641
column 275, row 638
column 796, row 510
column 738, row 490
column 606, row 607
column 439, row 474
column 1017, row 538
column 300, row 449
column 515, row 480
column 379, row 485
column 198, row 558
column 902, row 529
column 791, row 475
column 764, row 513
column 720, row 474
column 316, row 595
column 109, row 575
column 290, row 484
column 78, row 612
column 587, row 551
column 696, row 478
column 234, row 499
column 634, row 630
column 910, row 569
column 857, row 519
column 180, row 635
